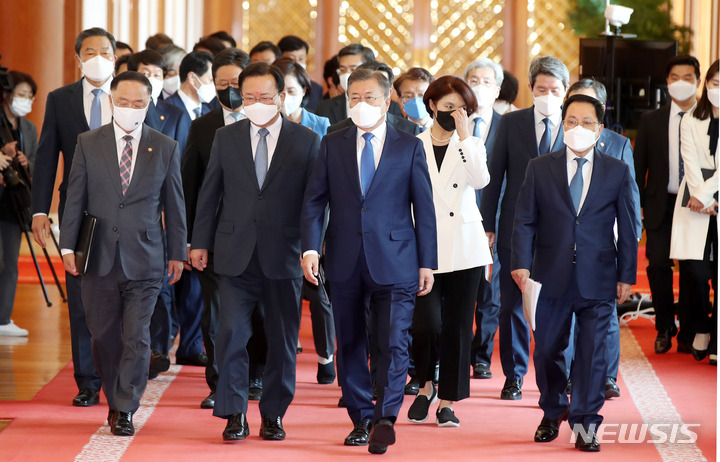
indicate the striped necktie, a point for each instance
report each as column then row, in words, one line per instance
column 126, row 163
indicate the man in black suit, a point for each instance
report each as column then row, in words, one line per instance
column 226, row 69
column 658, row 171
column 69, row 111
column 258, row 171
column 297, row 49
column 128, row 176
column 522, row 135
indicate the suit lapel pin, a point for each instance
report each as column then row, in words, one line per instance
column 149, row 149
column 162, row 117
column 602, row 145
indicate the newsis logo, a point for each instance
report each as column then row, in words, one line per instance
column 624, row 433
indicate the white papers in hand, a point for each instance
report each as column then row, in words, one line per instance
column 530, row 299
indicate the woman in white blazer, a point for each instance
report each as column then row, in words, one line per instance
column 442, row 322
column 694, row 233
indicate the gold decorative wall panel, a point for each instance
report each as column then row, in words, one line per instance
column 549, row 32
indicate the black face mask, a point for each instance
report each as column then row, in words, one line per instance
column 445, row 120
column 230, row 97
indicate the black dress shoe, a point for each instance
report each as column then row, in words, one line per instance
column 512, row 389
column 209, row 402
column 663, row 341
column 341, row 402
column 112, row 415
column 587, row 444
column 481, row 371
column 199, row 360
column 699, row 355
column 158, row 363
column 86, row 398
column 547, row 430
column 326, row 373
column 255, row 389
column 611, row 388
column 684, row 347
column 412, row 387
column 236, row 428
column 381, row 436
column 122, row 424
column 272, row 429
column 360, row 435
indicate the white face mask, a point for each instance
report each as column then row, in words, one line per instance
column 548, row 105
column 579, row 138
column 344, row 79
column 714, row 96
column 292, row 104
column 682, row 90
column 171, row 84
column 485, row 96
column 157, row 87
column 205, row 92
column 98, row 69
column 128, row 118
column 364, row 115
column 260, row 114
column 21, row 107
column 304, row 65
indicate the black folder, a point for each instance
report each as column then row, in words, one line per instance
column 84, row 242
column 707, row 173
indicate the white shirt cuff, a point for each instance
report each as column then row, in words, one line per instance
column 64, row 252
column 39, row 214
column 310, row 252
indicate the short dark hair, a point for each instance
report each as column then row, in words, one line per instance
column 288, row 66
column 599, row 109
column 131, row 76
column 292, row 43
column 357, row 49
column 378, row 66
column 230, row 57
column 704, row 108
column 215, row 45
column 683, row 60
column 123, row 46
column 591, row 84
column 159, row 40
column 360, row 75
column 148, row 57
column 120, row 61
column 509, row 87
column 225, row 37
column 264, row 46
column 330, row 70
column 260, row 69
column 446, row 85
column 414, row 73
column 94, row 32
column 21, row 77
column 196, row 61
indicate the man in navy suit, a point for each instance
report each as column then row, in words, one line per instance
column 71, row 110
column 522, row 135
column 248, row 214
column 376, row 181
column 564, row 238
column 197, row 92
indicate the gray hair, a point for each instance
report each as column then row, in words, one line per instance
column 486, row 63
column 549, row 66
column 172, row 54
column 361, row 75
column 592, row 84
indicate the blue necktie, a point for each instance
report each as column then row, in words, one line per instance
column 367, row 164
column 681, row 164
column 261, row 157
column 544, row 146
column 198, row 111
column 576, row 184
column 478, row 132
column 96, row 110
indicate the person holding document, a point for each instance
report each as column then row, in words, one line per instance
column 563, row 237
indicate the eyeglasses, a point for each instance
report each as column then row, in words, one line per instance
column 368, row 99
column 485, row 81
column 250, row 100
column 570, row 124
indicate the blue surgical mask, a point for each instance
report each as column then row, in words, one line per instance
column 415, row 109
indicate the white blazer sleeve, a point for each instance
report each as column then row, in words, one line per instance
column 473, row 153
column 696, row 156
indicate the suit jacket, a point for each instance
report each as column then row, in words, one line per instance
column 462, row 242
column 400, row 123
column 64, row 121
column 132, row 222
column 652, row 166
column 314, row 122
column 234, row 217
column 548, row 235
column 169, row 120
column 489, row 143
column 175, row 100
column 335, row 109
column 382, row 222
column 515, row 145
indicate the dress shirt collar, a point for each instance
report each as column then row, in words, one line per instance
column 274, row 129
column 379, row 133
column 570, row 155
column 119, row 133
column 228, row 118
column 675, row 109
column 88, row 87
column 554, row 120
column 189, row 103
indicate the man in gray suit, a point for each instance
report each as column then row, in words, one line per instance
column 125, row 174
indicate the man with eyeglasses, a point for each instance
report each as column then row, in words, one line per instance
column 380, row 251
column 248, row 215
column 564, row 238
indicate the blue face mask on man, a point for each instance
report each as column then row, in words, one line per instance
column 415, row 109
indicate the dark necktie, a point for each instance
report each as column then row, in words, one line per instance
column 126, row 163
column 261, row 157
column 544, row 146
column 681, row 164
column 576, row 184
column 367, row 164
column 96, row 110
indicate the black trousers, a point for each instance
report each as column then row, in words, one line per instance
column 442, row 329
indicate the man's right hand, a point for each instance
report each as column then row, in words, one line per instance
column 69, row 262
column 520, row 277
column 491, row 240
column 310, row 265
column 199, row 258
column 41, row 229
